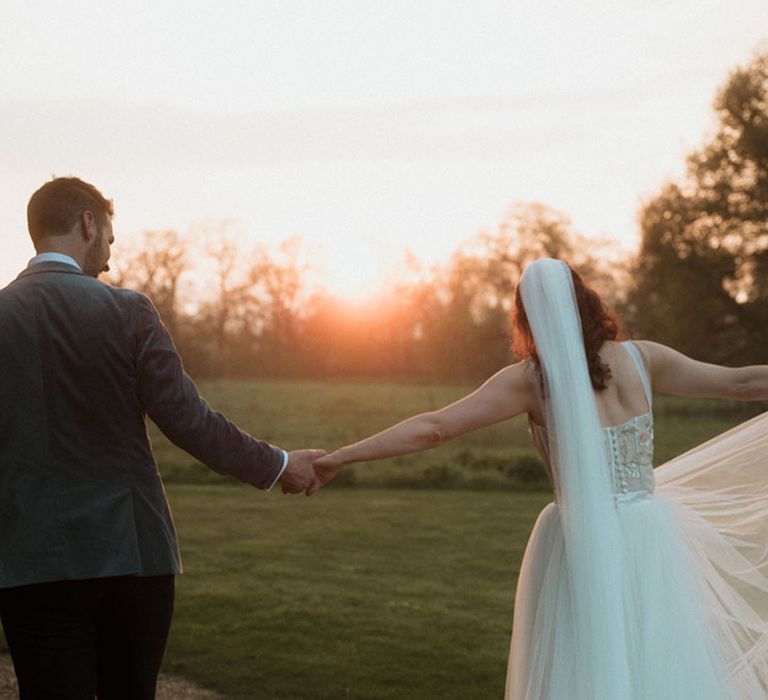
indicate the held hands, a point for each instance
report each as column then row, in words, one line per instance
column 326, row 467
column 299, row 476
column 309, row 470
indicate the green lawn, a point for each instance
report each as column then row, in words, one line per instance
column 353, row 593
column 296, row 414
column 377, row 591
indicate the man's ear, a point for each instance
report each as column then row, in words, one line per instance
column 88, row 227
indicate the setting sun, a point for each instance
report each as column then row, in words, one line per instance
column 354, row 271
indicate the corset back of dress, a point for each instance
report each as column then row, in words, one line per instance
column 629, row 447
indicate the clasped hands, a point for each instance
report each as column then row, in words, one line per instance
column 308, row 471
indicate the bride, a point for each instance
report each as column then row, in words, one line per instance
column 636, row 584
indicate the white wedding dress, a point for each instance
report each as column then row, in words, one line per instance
column 692, row 581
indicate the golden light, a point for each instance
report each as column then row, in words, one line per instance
column 354, row 270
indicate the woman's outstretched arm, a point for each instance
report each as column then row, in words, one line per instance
column 674, row 373
column 506, row 394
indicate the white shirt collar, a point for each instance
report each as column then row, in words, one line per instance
column 53, row 257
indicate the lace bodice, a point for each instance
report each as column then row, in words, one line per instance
column 629, row 446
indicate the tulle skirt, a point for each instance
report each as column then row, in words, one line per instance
column 694, row 584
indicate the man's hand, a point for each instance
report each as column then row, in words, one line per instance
column 326, row 467
column 299, row 476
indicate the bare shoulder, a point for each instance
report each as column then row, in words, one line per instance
column 523, row 378
column 514, row 382
column 673, row 372
column 521, row 375
column 652, row 352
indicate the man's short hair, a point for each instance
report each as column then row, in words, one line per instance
column 55, row 208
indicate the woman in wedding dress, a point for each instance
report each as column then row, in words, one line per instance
column 636, row 584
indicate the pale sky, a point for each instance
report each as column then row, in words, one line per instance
column 366, row 127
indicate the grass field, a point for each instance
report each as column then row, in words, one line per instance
column 371, row 592
column 354, row 593
column 296, row 414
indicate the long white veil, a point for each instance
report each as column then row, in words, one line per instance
column 583, row 482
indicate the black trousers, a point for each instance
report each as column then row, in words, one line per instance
column 73, row 640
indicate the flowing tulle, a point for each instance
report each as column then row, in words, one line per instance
column 694, row 583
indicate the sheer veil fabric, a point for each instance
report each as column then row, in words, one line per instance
column 583, row 485
column 636, row 596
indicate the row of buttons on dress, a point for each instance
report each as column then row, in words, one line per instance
column 631, row 449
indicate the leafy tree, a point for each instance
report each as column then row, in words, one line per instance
column 701, row 276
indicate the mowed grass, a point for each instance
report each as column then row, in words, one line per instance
column 354, row 593
column 296, row 414
column 369, row 589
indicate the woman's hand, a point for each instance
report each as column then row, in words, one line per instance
column 326, row 468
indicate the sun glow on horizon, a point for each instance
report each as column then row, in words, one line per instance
column 355, row 271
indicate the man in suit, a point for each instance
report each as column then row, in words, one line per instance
column 88, row 551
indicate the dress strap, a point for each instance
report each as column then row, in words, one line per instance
column 634, row 353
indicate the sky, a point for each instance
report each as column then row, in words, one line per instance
column 366, row 127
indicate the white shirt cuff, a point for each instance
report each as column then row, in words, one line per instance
column 282, row 469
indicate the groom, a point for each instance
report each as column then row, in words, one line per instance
column 88, row 550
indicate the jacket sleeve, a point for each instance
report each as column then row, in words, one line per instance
column 171, row 399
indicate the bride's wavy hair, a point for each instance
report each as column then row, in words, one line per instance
column 598, row 324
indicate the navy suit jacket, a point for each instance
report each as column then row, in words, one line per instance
column 81, row 366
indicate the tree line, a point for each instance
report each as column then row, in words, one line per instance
column 699, row 281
